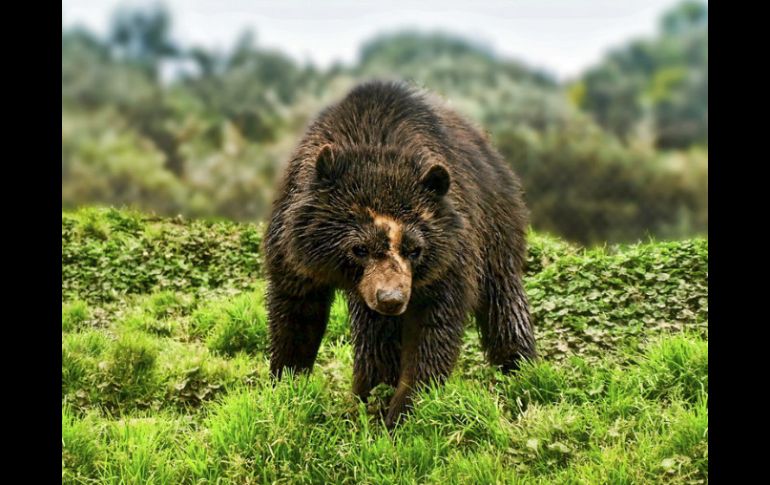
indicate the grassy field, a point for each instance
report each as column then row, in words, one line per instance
column 165, row 377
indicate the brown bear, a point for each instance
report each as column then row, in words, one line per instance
column 407, row 208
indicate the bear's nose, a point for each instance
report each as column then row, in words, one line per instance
column 390, row 300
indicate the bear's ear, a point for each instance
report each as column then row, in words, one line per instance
column 436, row 180
column 325, row 167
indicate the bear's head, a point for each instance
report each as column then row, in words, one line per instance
column 379, row 221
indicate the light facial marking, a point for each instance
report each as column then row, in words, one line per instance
column 391, row 273
column 395, row 230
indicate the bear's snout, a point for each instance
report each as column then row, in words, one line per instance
column 391, row 302
column 386, row 285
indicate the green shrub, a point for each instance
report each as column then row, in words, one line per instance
column 591, row 302
column 543, row 250
column 131, row 253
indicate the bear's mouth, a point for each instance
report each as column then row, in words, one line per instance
column 389, row 309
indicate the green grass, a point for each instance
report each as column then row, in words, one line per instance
column 165, row 376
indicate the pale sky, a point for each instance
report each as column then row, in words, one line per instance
column 561, row 36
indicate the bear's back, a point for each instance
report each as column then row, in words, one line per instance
column 381, row 113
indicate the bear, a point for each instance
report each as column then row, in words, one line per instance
column 403, row 205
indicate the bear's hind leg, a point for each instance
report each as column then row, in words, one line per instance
column 504, row 321
column 297, row 324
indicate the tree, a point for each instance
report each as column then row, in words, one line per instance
column 663, row 81
column 687, row 17
column 142, row 37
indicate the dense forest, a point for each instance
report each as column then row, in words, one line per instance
column 618, row 154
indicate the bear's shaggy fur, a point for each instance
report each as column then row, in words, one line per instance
column 406, row 207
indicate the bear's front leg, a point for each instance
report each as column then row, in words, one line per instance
column 297, row 323
column 430, row 345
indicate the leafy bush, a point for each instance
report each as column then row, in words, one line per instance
column 588, row 188
column 110, row 253
column 587, row 303
column 543, row 250
column 107, row 253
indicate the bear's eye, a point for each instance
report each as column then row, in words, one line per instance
column 414, row 253
column 360, row 251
